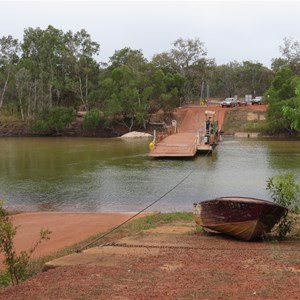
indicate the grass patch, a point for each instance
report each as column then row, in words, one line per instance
column 236, row 121
column 255, row 126
column 151, row 221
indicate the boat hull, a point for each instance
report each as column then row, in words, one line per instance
column 241, row 217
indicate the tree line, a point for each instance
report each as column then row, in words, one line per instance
column 50, row 74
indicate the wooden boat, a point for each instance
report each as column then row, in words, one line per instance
column 241, row 217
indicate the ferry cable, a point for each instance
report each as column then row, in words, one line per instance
column 138, row 213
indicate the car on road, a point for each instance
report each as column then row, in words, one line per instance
column 241, row 102
column 257, row 100
column 229, row 102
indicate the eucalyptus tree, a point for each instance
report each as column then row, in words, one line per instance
column 133, row 87
column 199, row 79
column 190, row 59
column 43, row 51
column 225, row 78
column 165, row 89
column 123, row 102
column 9, row 50
column 167, row 81
column 82, row 65
column 278, row 63
column 165, row 62
column 187, row 58
column 239, row 79
column 186, row 53
column 254, row 79
column 61, row 66
column 25, row 92
column 129, row 57
column 290, row 50
column 124, row 88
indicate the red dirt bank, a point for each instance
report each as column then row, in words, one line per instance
column 66, row 229
column 178, row 265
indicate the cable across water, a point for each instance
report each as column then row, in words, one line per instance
column 141, row 211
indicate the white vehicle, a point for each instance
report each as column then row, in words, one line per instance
column 257, row 100
column 229, row 102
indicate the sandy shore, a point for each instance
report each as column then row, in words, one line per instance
column 67, row 228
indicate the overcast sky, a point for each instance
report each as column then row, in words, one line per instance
column 230, row 30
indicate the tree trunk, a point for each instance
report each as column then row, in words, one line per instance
column 81, row 93
column 86, row 91
column 50, row 96
column 131, row 123
column 4, row 90
column 21, row 108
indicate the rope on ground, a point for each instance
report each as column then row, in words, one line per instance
column 141, row 211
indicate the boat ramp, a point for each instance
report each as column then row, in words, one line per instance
column 198, row 131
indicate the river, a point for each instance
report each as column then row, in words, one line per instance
column 100, row 175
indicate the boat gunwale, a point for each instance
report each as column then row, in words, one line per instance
column 247, row 200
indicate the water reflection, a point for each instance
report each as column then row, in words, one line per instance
column 281, row 158
column 66, row 174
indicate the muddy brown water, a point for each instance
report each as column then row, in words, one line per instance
column 95, row 174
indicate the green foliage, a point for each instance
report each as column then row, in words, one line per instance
column 53, row 119
column 284, row 102
column 4, row 279
column 61, row 66
column 297, row 90
column 170, row 100
column 275, row 120
column 292, row 116
column 126, row 95
column 281, row 85
column 166, row 91
column 286, row 192
column 91, row 119
column 291, row 112
column 126, row 56
column 17, row 264
column 51, row 68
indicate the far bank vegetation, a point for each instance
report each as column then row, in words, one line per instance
column 50, row 75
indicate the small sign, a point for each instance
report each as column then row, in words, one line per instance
column 174, row 123
column 248, row 98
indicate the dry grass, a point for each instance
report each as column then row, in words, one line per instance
column 236, row 121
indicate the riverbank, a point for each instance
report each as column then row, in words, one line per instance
column 66, row 228
column 170, row 260
column 250, row 118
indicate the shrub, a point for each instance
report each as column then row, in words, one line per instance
column 60, row 117
column 17, row 265
column 286, row 192
column 55, row 118
column 91, row 120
